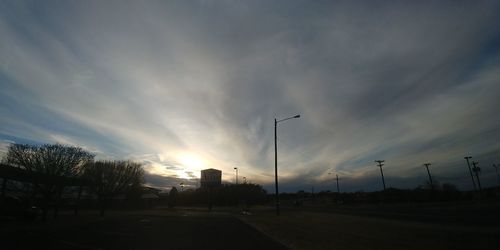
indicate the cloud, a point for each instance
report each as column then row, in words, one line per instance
column 408, row 83
column 165, row 183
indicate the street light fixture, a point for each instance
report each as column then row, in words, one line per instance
column 276, row 160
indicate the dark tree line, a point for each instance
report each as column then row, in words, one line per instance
column 247, row 194
column 111, row 178
column 445, row 192
column 47, row 170
column 49, row 160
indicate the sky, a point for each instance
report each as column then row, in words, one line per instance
column 182, row 86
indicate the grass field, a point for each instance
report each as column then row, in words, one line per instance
column 321, row 230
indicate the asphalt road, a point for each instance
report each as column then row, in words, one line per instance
column 139, row 232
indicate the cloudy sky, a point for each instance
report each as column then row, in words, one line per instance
column 187, row 85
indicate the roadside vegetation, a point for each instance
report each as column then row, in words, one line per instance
column 39, row 178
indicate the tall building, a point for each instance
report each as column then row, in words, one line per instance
column 210, row 178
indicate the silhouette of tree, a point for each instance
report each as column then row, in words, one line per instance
column 53, row 160
column 172, row 197
column 111, row 178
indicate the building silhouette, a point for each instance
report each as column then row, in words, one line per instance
column 210, row 178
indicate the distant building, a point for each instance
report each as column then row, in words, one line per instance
column 210, row 178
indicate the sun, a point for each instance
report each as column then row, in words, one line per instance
column 191, row 161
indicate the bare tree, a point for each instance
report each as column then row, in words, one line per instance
column 51, row 160
column 111, row 178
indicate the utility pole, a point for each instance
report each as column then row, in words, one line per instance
column 380, row 164
column 496, row 170
column 470, row 171
column 477, row 171
column 429, row 173
column 337, row 178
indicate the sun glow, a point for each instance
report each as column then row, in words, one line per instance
column 191, row 161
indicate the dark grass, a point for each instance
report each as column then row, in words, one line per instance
column 385, row 227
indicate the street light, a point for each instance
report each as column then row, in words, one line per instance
column 236, row 175
column 276, row 160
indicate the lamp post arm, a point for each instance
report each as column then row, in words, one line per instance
column 291, row 117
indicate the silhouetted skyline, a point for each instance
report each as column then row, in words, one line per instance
column 181, row 86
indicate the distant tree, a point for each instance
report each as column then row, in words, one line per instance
column 241, row 194
column 427, row 185
column 450, row 192
column 111, row 178
column 448, row 187
column 53, row 160
column 172, row 197
column 252, row 194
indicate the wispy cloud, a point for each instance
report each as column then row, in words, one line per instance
column 406, row 82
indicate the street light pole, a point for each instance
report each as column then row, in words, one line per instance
column 276, row 161
column 380, row 164
column 429, row 173
column 236, row 175
column 276, row 169
column 470, row 171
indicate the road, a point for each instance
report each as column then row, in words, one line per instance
column 138, row 232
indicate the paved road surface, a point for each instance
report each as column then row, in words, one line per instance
column 140, row 232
